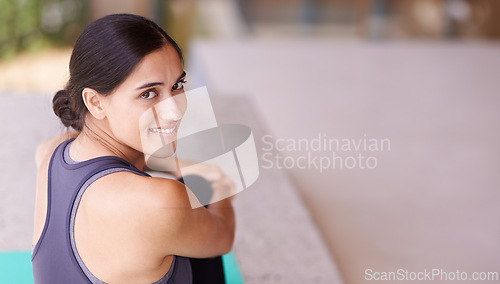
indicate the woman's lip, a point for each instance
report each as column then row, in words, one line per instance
column 167, row 126
column 165, row 129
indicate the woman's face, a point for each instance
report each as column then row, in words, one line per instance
column 144, row 112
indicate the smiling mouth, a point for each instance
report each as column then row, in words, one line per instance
column 163, row 130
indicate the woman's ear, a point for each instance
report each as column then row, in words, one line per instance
column 93, row 101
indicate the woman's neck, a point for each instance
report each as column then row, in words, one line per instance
column 93, row 142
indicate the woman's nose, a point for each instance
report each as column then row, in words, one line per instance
column 169, row 110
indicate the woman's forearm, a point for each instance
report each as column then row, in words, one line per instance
column 224, row 212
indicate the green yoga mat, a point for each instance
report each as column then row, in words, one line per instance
column 232, row 273
column 15, row 268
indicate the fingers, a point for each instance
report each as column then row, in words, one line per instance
column 210, row 172
column 224, row 188
column 213, row 173
column 221, row 183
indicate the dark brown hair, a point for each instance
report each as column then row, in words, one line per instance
column 104, row 55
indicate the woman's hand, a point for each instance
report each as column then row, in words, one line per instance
column 222, row 184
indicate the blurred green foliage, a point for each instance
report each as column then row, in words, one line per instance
column 34, row 24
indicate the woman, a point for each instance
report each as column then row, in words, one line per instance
column 98, row 216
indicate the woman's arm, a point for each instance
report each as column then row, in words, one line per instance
column 163, row 221
column 201, row 232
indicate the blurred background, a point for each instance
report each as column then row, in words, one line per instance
column 420, row 73
column 48, row 28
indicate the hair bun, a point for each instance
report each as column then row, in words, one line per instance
column 63, row 108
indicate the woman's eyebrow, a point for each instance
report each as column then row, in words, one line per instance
column 148, row 85
column 152, row 84
column 181, row 76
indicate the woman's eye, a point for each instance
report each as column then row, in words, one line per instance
column 148, row 95
column 179, row 85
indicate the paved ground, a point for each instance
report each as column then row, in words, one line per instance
column 26, row 121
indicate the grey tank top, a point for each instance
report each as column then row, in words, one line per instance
column 55, row 258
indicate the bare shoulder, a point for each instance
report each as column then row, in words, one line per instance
column 136, row 192
column 139, row 208
column 130, row 197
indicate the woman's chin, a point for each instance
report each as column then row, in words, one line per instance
column 159, row 147
column 166, row 163
column 163, row 151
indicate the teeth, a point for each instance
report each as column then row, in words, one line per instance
column 158, row 130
